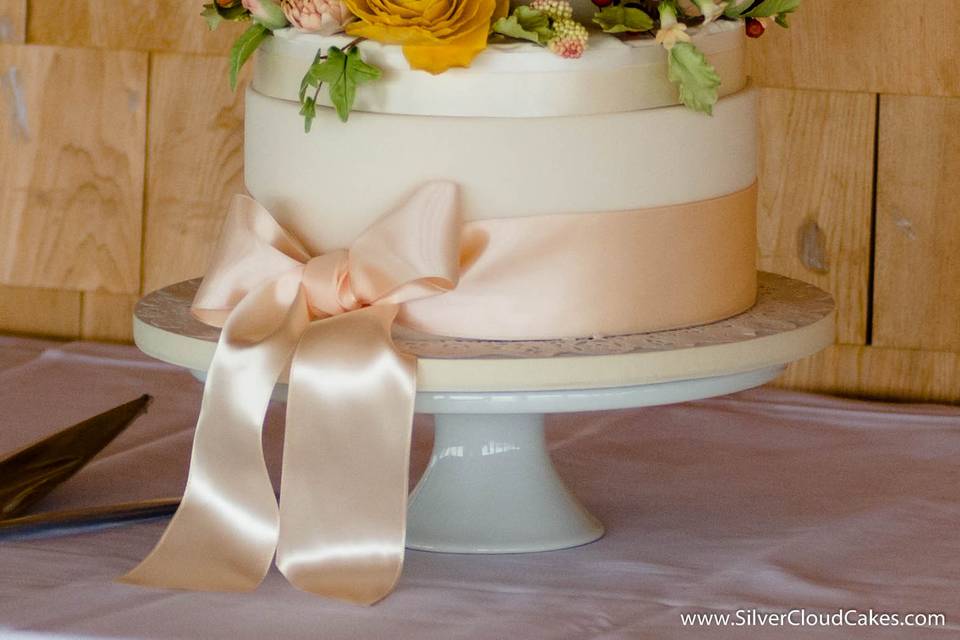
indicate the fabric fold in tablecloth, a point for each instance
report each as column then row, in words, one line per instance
column 766, row 500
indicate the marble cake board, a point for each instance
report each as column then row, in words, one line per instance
column 490, row 486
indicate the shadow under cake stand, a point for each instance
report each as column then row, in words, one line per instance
column 490, row 486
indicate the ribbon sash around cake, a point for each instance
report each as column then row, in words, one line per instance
column 340, row 526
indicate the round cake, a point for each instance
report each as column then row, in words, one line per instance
column 527, row 134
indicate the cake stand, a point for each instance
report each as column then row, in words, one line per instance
column 490, row 486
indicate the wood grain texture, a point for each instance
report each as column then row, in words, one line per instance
column 917, row 300
column 71, row 168
column 816, row 154
column 13, row 21
column 146, row 25
column 196, row 164
column 873, row 46
column 875, row 372
column 107, row 316
column 46, row 312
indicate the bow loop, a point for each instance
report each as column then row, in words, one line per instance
column 413, row 252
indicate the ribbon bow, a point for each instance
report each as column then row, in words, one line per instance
column 340, row 527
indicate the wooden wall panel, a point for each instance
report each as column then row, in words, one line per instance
column 196, row 164
column 71, row 168
column 107, row 316
column 167, row 25
column 13, row 20
column 816, row 152
column 48, row 312
column 80, row 204
column 918, row 224
column 890, row 374
column 879, row 46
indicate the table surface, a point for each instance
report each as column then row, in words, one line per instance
column 766, row 500
column 791, row 320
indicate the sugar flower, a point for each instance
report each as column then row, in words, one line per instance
column 671, row 31
column 266, row 12
column 325, row 17
column 435, row 34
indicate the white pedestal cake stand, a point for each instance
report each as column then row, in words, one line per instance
column 490, row 486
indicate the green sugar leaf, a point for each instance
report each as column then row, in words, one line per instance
column 622, row 19
column 212, row 16
column 308, row 109
column 235, row 13
column 243, row 48
column 695, row 77
column 769, row 8
column 736, row 9
column 343, row 90
column 525, row 24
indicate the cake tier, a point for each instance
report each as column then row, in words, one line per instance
column 330, row 185
column 514, row 80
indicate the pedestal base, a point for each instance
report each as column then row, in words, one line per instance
column 491, row 488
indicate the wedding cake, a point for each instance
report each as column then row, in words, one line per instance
column 525, row 133
column 464, row 168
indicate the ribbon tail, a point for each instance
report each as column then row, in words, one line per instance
column 224, row 534
column 343, row 498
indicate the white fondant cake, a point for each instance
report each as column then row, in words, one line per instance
column 613, row 158
column 523, row 133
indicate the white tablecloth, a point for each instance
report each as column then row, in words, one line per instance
column 766, row 500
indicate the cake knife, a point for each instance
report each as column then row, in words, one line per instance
column 60, row 523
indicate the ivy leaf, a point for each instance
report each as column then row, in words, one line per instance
column 308, row 109
column 525, row 24
column 342, row 72
column 212, row 16
column 621, row 19
column 343, row 90
column 310, row 78
column 695, row 77
column 778, row 8
column 243, row 48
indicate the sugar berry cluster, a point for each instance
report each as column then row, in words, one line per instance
column 570, row 37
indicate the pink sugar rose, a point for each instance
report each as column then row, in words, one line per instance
column 325, row 17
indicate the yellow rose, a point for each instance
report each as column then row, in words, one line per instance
column 435, row 34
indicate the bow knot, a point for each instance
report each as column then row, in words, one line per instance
column 326, row 281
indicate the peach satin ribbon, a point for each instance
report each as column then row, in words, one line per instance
column 340, row 527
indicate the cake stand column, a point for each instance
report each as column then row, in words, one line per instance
column 491, row 487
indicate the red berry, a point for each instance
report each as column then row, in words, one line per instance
column 603, row 3
column 755, row 28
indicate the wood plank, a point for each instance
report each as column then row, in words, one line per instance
column 196, row 164
column 145, row 25
column 873, row 46
column 13, row 21
column 875, row 372
column 46, row 312
column 71, row 168
column 107, row 316
column 917, row 299
column 816, row 156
